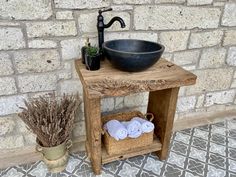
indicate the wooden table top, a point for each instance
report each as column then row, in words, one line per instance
column 109, row 81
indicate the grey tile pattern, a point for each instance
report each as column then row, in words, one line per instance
column 205, row 151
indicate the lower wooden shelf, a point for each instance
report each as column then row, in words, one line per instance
column 155, row 146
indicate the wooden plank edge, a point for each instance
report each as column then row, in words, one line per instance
column 156, row 146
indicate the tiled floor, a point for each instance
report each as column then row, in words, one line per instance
column 208, row 150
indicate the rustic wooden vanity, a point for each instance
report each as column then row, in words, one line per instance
column 162, row 81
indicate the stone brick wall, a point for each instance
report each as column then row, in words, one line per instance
column 39, row 39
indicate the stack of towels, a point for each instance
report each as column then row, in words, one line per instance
column 133, row 128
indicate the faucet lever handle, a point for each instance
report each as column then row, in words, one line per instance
column 104, row 10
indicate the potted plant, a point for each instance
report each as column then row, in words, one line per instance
column 51, row 119
column 92, row 59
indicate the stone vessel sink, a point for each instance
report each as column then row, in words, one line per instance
column 132, row 55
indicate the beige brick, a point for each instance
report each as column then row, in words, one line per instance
column 30, row 139
column 186, row 103
column 229, row 38
column 149, row 36
column 10, row 104
column 11, row 142
column 81, row 4
column 122, row 7
column 39, row 82
column 218, row 4
column 64, row 15
column 156, row 17
column 64, row 74
column 231, row 58
column 169, row 1
column 71, row 48
column 233, row 85
column 107, row 104
column 229, row 16
column 9, row 23
column 200, row 101
column 119, row 102
column 21, row 126
column 42, row 43
column 87, row 21
column 174, row 41
column 71, row 86
column 199, row 2
column 51, row 28
column 79, row 129
column 25, row 10
column 132, row 1
column 36, row 61
column 186, row 57
column 11, row 38
column 5, row 65
column 182, row 91
column 211, row 80
column 189, row 67
column 167, row 56
column 7, row 125
column 212, row 58
column 222, row 97
column 43, row 93
column 205, row 39
column 7, row 86
column 133, row 100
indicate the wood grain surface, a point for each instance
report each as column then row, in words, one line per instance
column 109, row 81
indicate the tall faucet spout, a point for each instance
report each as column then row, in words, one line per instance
column 120, row 20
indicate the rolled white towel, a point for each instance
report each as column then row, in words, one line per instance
column 146, row 125
column 116, row 129
column 133, row 128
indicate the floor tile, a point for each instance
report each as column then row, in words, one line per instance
column 232, row 166
column 231, row 142
column 196, row 166
column 182, row 137
column 218, row 149
column 218, row 138
column 186, row 131
column 199, row 143
column 232, row 153
column 219, row 130
column 176, row 159
column 205, row 151
column 204, row 127
column 171, row 171
column 215, row 172
column 128, row 170
column 232, row 133
column 217, row 160
column 201, row 133
column 197, row 154
column 153, row 166
column 179, row 147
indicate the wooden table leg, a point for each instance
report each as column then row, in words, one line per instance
column 92, row 109
column 162, row 104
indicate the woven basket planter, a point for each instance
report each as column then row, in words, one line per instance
column 117, row 147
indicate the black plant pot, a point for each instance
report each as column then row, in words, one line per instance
column 92, row 62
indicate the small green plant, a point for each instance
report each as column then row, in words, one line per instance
column 92, row 51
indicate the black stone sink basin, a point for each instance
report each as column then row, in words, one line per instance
column 132, row 55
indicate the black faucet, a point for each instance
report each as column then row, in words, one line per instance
column 101, row 26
